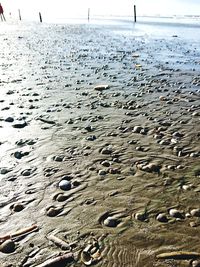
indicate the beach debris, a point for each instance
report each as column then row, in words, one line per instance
column 101, row 87
column 179, row 255
column 91, row 254
column 19, row 233
column 59, row 242
column 86, row 258
column 65, row 258
column 8, row 246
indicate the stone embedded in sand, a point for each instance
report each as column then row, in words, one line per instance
column 161, row 217
column 195, row 212
column 105, row 163
column 53, row 211
column 140, row 216
column 106, row 151
column 101, row 87
column 58, row 158
column 91, row 138
column 4, row 170
column 17, row 207
column 7, row 246
column 19, row 125
column 137, row 129
column 110, row 222
column 102, row 172
column 176, row 213
column 9, row 119
column 195, row 263
column 64, row 185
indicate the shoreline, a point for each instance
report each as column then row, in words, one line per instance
column 126, row 153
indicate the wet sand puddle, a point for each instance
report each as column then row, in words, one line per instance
column 99, row 149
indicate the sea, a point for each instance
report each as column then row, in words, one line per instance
column 187, row 27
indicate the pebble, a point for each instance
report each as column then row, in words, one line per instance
column 17, row 207
column 140, row 216
column 195, row 212
column 9, row 119
column 19, row 125
column 137, row 129
column 105, row 163
column 195, row 263
column 7, row 246
column 176, row 213
column 161, row 217
column 64, row 185
column 106, row 151
column 110, row 222
column 102, row 172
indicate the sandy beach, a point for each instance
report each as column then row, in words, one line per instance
column 99, row 145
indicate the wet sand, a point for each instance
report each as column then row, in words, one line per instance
column 127, row 152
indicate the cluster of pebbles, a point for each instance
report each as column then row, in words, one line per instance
column 100, row 139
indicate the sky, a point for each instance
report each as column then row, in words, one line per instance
column 75, row 8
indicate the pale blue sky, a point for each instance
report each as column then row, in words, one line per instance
column 71, row 8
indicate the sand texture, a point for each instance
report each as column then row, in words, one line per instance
column 99, row 148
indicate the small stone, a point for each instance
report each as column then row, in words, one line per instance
column 7, row 246
column 65, row 185
column 195, row 212
column 110, row 222
column 137, row 129
column 19, row 125
column 140, row 216
column 195, row 263
column 4, row 171
column 161, row 217
column 58, row 158
column 176, row 213
column 102, row 172
column 105, row 163
column 91, row 138
column 17, row 207
column 106, row 151
column 9, row 119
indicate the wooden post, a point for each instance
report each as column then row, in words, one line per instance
column 40, row 16
column 20, row 18
column 88, row 14
column 135, row 16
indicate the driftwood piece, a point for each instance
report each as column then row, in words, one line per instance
column 66, row 258
column 179, row 255
column 19, row 233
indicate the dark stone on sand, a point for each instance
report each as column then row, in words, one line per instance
column 9, row 119
column 7, row 246
column 19, row 125
column 65, row 185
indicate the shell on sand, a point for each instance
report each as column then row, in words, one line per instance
column 101, row 87
column 86, row 258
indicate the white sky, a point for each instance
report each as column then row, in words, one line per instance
column 72, row 8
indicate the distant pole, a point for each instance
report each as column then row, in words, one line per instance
column 20, row 18
column 135, row 16
column 40, row 16
column 88, row 14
